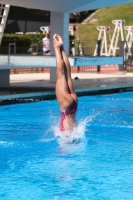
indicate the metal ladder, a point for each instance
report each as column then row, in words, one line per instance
column 4, row 10
column 73, row 30
column 129, row 35
column 129, row 39
column 103, row 30
column 118, row 31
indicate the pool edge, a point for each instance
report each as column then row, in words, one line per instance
column 37, row 96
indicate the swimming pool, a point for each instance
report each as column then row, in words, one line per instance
column 35, row 166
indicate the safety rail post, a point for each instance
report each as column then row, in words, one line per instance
column 98, row 53
column 78, row 67
column 121, row 53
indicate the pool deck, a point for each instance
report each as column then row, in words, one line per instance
column 38, row 85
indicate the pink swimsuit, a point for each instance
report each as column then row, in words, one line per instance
column 71, row 110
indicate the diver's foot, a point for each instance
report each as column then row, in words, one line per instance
column 57, row 40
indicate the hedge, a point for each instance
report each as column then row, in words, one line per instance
column 25, row 40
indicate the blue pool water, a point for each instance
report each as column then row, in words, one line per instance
column 36, row 165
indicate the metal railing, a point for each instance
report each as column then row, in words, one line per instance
column 81, row 48
column 15, row 46
column 13, row 50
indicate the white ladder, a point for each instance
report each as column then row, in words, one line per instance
column 118, row 31
column 103, row 30
column 73, row 30
column 4, row 10
column 129, row 39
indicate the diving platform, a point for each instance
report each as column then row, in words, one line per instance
column 9, row 62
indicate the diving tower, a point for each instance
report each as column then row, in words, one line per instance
column 129, row 39
column 4, row 10
column 118, row 35
column 103, row 32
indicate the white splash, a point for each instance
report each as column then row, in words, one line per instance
column 73, row 137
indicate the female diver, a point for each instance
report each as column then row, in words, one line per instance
column 65, row 93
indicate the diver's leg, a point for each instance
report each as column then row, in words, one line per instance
column 62, row 93
column 68, row 74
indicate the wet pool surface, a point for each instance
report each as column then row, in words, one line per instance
column 34, row 165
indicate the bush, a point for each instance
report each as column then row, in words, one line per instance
column 25, row 40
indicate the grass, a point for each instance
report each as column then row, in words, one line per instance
column 104, row 17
